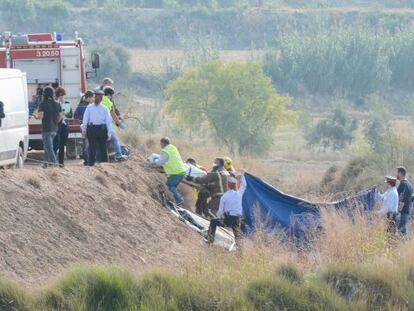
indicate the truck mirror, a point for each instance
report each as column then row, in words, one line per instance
column 2, row 115
column 95, row 60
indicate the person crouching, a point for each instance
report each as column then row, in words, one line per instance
column 230, row 210
column 390, row 202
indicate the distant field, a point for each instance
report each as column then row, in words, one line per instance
column 155, row 60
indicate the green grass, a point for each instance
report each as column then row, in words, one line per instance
column 353, row 287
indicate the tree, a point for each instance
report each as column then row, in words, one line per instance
column 337, row 132
column 236, row 100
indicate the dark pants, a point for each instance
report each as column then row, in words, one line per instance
column 234, row 222
column 59, row 142
column 85, row 151
column 97, row 137
column 403, row 225
column 214, row 204
column 201, row 203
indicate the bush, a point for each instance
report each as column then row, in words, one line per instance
column 359, row 284
column 13, row 298
column 279, row 294
column 337, row 132
column 291, row 273
column 91, row 288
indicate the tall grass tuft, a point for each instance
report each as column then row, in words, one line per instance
column 90, row 288
column 13, row 298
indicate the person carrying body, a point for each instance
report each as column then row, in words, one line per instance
column 216, row 183
column 97, row 127
column 405, row 192
column 389, row 205
column 230, row 211
column 203, row 194
column 173, row 165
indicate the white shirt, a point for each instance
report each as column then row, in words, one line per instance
column 97, row 115
column 231, row 201
column 389, row 201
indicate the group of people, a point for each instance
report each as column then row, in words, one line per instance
column 221, row 189
column 221, row 192
column 397, row 202
column 98, row 115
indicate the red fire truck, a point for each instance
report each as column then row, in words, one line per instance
column 49, row 60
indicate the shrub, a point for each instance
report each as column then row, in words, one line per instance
column 279, row 294
column 291, row 273
column 13, row 298
column 336, row 132
column 91, row 288
column 360, row 284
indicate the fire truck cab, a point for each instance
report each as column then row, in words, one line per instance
column 49, row 60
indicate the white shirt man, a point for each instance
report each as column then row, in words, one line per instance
column 231, row 201
column 230, row 210
column 389, row 198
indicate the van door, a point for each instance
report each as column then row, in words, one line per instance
column 14, row 127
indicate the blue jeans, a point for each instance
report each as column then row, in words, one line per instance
column 85, row 151
column 49, row 155
column 116, row 144
column 172, row 183
column 403, row 225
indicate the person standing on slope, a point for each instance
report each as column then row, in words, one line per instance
column 216, row 183
column 230, row 211
column 173, row 165
column 97, row 127
column 405, row 192
column 389, row 205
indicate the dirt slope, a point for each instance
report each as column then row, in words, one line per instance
column 52, row 218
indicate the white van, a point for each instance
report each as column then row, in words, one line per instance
column 14, row 113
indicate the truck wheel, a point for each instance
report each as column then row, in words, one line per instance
column 19, row 159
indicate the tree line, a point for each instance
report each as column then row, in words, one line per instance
column 351, row 63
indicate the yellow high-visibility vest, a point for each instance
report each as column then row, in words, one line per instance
column 174, row 164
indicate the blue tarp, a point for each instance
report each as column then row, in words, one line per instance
column 267, row 208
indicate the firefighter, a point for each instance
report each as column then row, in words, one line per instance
column 202, row 194
column 97, row 127
column 228, row 165
column 216, row 183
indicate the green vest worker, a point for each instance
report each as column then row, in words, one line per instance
column 170, row 160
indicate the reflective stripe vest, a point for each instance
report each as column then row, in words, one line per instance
column 174, row 164
column 106, row 101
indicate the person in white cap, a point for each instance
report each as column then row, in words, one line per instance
column 230, row 210
column 390, row 203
